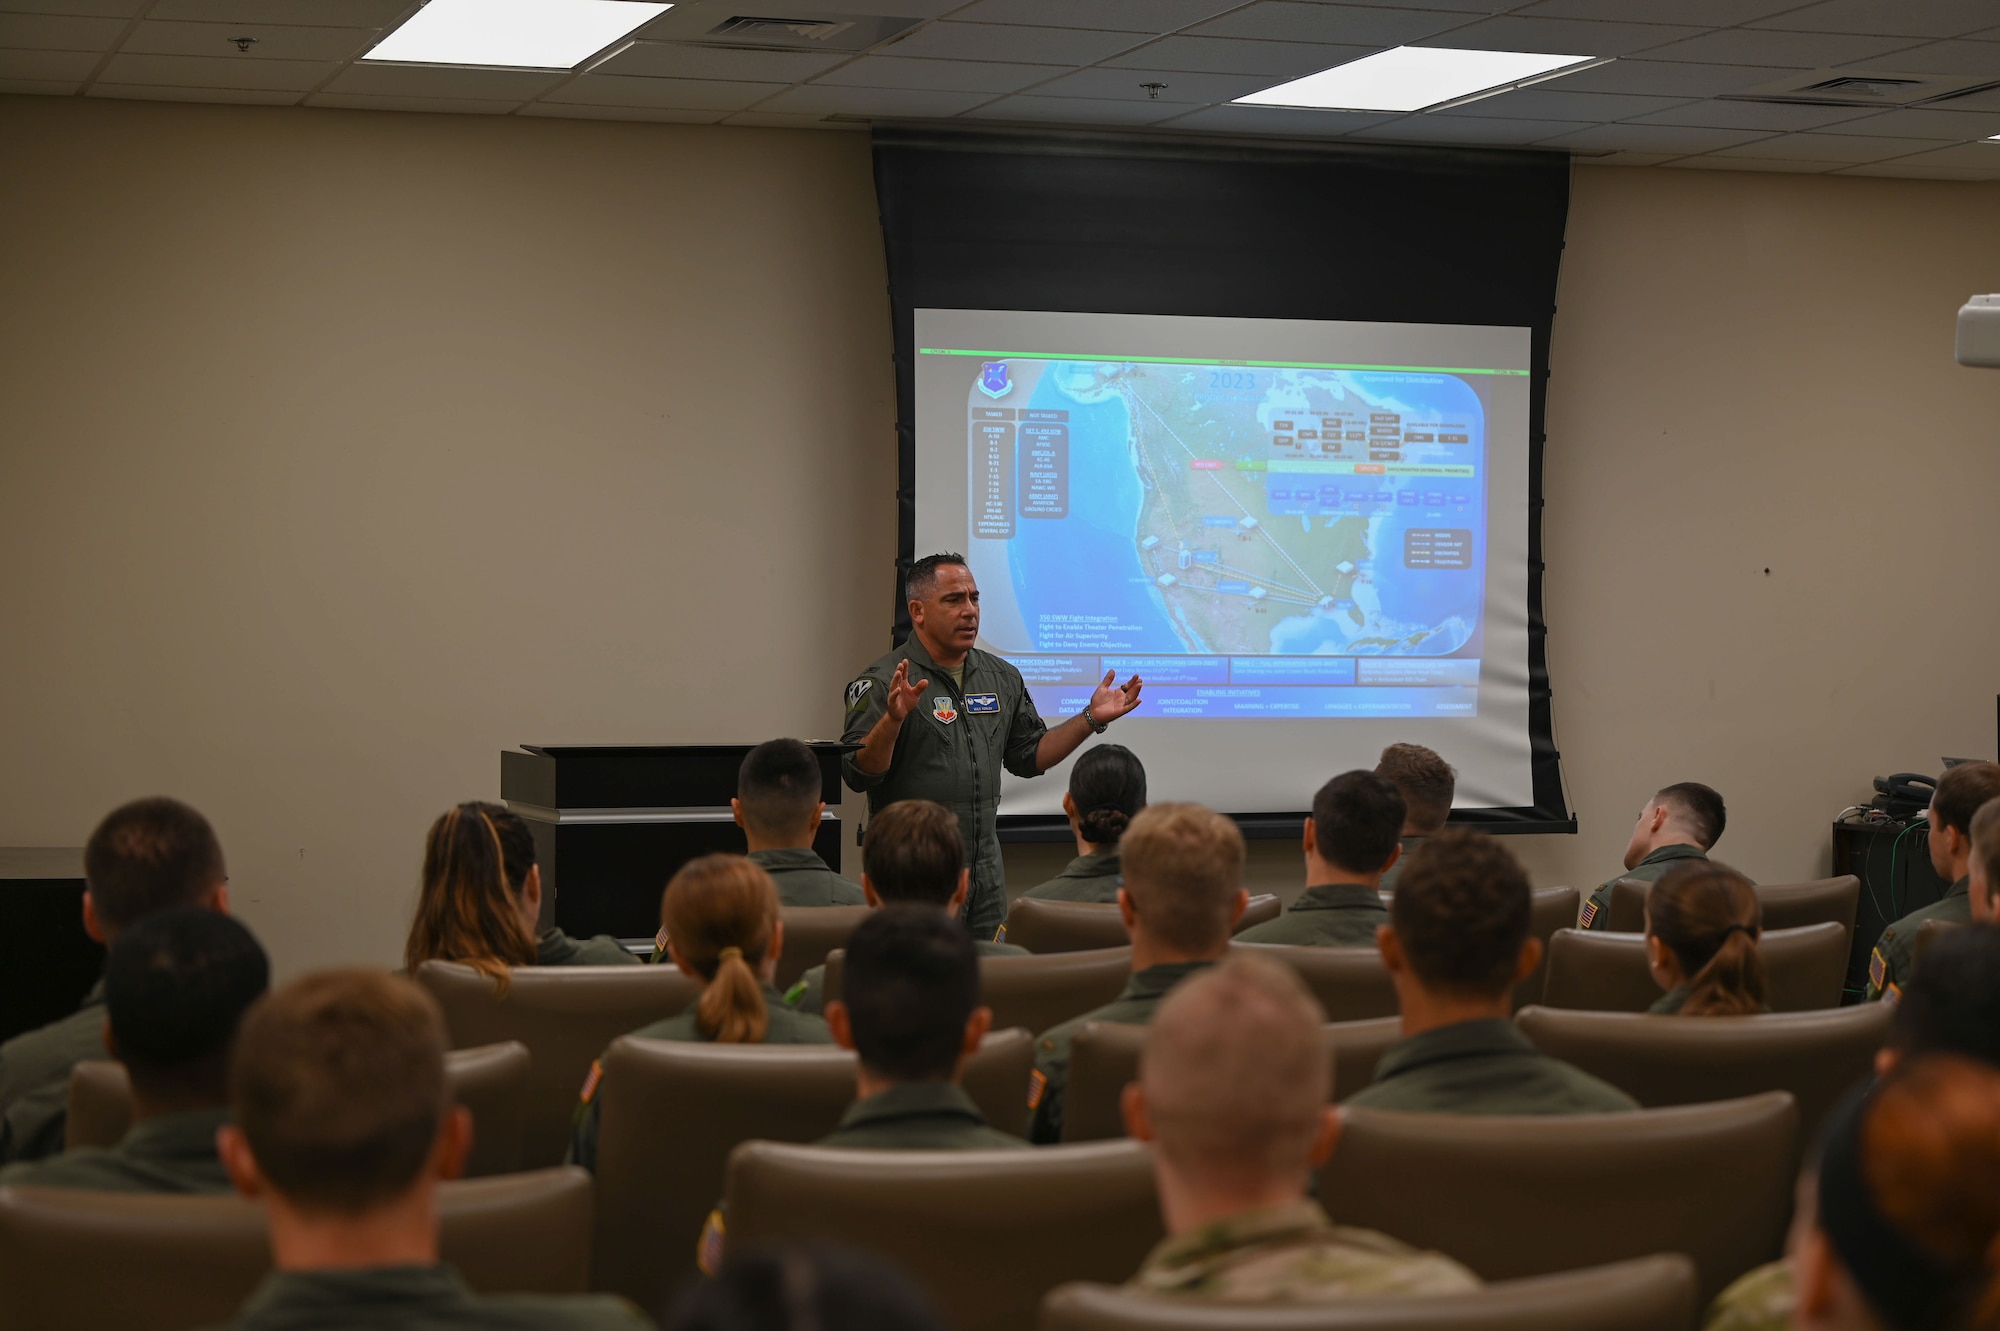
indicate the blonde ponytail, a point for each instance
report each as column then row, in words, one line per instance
column 721, row 913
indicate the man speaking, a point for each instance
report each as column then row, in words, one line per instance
column 937, row 720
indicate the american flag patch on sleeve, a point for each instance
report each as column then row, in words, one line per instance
column 1589, row 913
column 591, row 1082
column 708, row 1249
column 1878, row 969
column 1038, row 1082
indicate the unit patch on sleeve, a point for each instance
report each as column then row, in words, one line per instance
column 857, row 691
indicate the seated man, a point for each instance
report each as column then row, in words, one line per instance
column 913, row 852
column 1233, row 1094
column 1351, row 840
column 1982, row 872
column 1427, row 784
column 1183, row 894
column 1456, row 944
column 1960, row 793
column 147, row 856
column 344, row 1128
column 175, row 986
column 778, row 806
column 1682, row 822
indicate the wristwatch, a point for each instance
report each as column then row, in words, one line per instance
column 1097, row 727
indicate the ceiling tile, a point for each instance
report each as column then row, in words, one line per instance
column 303, row 13
column 1703, row 13
column 1967, row 156
column 1661, row 78
column 1789, row 166
column 1279, row 120
column 819, row 99
column 1910, row 168
column 1769, row 116
column 773, row 120
column 1076, row 110
column 438, row 105
column 1028, row 46
column 1147, row 16
column 1656, row 138
column 193, row 71
column 888, row 71
column 658, row 114
column 671, row 94
column 59, row 32
column 80, row 8
column 1544, row 102
column 1921, row 123
column 1233, row 55
column 1128, row 84
column 683, row 60
column 38, row 87
column 55, row 66
column 1454, row 6
column 1887, row 18
column 154, row 37
column 1795, row 50
column 1825, row 147
column 1348, row 25
column 141, row 92
column 1980, row 59
column 377, row 80
column 1467, row 132
column 1562, row 36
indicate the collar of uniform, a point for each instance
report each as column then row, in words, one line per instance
column 185, row 1136
column 1963, row 887
column 913, row 647
column 1670, row 1003
column 1339, row 896
column 1219, row 1238
column 788, row 858
column 553, row 947
column 913, row 1099
column 1462, row 1039
column 1680, row 850
column 1156, row 980
column 379, row 1287
column 1101, row 865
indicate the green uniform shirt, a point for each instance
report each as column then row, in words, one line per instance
column 1395, row 871
column 1889, row 964
column 556, row 948
column 1087, row 878
column 1651, row 870
column 1134, row 1007
column 919, row 1116
column 170, row 1153
column 1671, row 1002
column 1330, row 915
column 809, row 994
column 952, row 749
column 34, row 1079
column 804, row 880
column 420, row 1298
column 1760, row 1300
column 1483, row 1067
column 1293, row 1254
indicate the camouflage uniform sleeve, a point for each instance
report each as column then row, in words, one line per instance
column 866, row 699
column 1024, row 736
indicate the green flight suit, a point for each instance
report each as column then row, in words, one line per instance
column 919, row 1116
column 34, row 1079
column 952, row 749
column 1134, row 1007
column 1086, row 878
column 804, row 880
column 556, row 948
column 809, row 994
column 1671, row 1002
column 1330, row 915
column 1293, row 1254
column 1395, row 871
column 1651, row 870
column 1484, row 1066
column 1889, row 964
column 170, row 1153
column 420, row 1298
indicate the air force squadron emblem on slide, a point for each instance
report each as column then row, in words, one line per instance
column 993, row 380
column 944, row 710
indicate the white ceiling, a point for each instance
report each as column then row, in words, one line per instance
column 1082, row 63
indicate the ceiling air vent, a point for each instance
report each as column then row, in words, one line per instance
column 780, row 29
column 1831, row 87
column 800, row 32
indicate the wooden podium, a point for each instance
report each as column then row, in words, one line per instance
column 612, row 822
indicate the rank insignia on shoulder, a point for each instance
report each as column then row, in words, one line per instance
column 857, row 691
column 593, row 1081
column 979, row 704
column 1877, row 968
column 1589, row 913
column 1038, row 1083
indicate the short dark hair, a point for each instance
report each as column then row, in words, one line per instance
column 1108, row 786
column 919, row 582
column 1426, row 781
column 1950, row 1003
column 1960, row 792
column 150, row 855
column 1357, row 821
column 778, row 785
column 910, row 984
column 176, row 984
column 802, row 1287
column 914, row 850
column 1461, row 913
column 1700, row 805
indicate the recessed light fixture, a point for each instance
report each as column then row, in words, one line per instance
column 519, row 34
column 1416, row 78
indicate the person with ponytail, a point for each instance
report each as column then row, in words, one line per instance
column 1106, row 787
column 1703, row 920
column 719, row 919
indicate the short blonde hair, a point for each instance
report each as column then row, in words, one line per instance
column 1183, row 867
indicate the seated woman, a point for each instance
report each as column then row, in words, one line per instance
column 482, row 898
column 1702, row 924
column 1106, row 787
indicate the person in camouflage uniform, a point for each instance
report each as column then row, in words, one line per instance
column 1682, row 822
column 1961, row 793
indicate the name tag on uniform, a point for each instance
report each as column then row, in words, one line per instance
column 982, row 702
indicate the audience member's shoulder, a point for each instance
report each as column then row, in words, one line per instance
column 576, row 1312
column 33, row 1057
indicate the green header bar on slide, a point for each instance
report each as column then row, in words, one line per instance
column 1336, row 467
column 1211, row 360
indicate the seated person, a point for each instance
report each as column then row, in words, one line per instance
column 344, row 1128
column 1703, row 920
column 1234, row 1095
column 1960, row 793
column 1427, row 784
column 1982, row 870
column 824, row 1288
column 481, row 900
column 175, row 986
column 1351, row 840
column 913, row 852
column 1183, row 894
column 147, row 856
column 1456, row 944
column 1682, row 822
column 720, row 919
column 778, row 806
column 1106, row 787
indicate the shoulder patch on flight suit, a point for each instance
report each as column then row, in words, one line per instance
column 1000, row 934
column 593, row 1081
column 796, row 992
column 1893, row 994
column 1038, row 1082
column 1877, row 968
column 708, row 1248
column 1589, row 913
column 857, row 691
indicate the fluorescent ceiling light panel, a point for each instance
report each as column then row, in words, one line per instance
column 519, row 34
column 1412, row 78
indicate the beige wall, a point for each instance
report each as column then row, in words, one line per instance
column 339, row 451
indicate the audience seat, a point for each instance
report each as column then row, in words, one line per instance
column 1035, row 992
column 810, row 933
column 1786, row 905
column 1080, row 926
column 1804, row 969
column 1514, row 1197
column 1817, row 1056
column 986, row 1234
column 565, row 1015
column 1351, row 983
column 1647, row 1294
column 82, row 1261
column 671, row 1111
column 1553, row 908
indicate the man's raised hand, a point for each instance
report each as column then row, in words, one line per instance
column 903, row 695
column 1112, row 700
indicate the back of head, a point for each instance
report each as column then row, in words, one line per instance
column 1709, row 917
column 1986, row 844
column 1461, row 913
column 338, row 1085
column 910, row 985
column 914, row 851
column 1960, row 793
column 1358, row 821
column 778, row 786
column 1236, row 1074
column 176, row 984
column 476, row 860
column 1697, row 808
column 1427, row 783
column 803, row 1287
column 1951, row 1000
column 1108, row 786
column 151, row 855
column 1183, row 868
column 720, row 913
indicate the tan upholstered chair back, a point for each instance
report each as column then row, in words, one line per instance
column 1351, row 983
column 1625, row 912
column 565, row 1015
column 1649, row 1294
column 1514, row 1197
column 100, row 1104
column 1552, row 908
column 178, row 1262
column 1786, row 905
column 1083, row 926
column 985, row 1233
column 810, row 933
column 1035, row 992
column 1804, row 969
